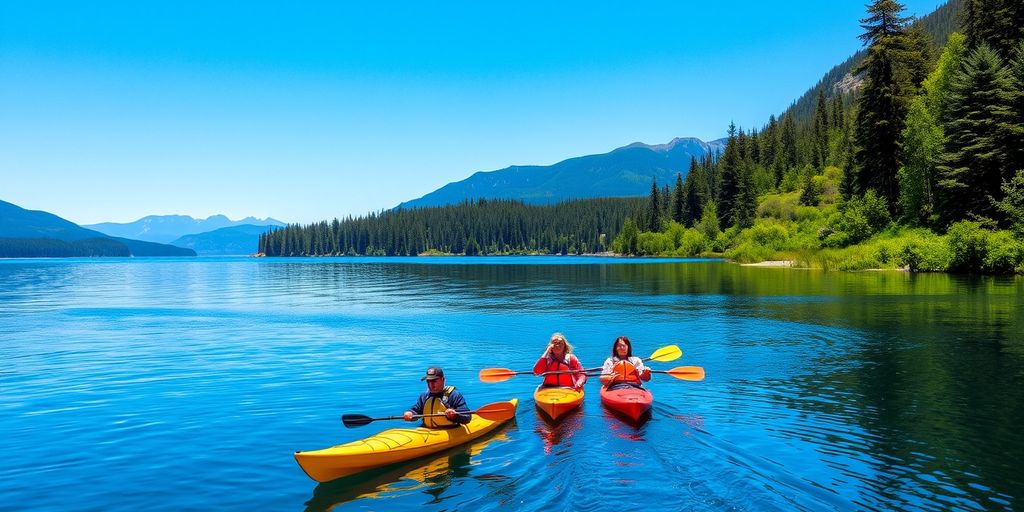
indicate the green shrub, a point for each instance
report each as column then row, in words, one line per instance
column 968, row 246
column 925, row 254
column 675, row 232
column 857, row 220
column 650, row 244
column 708, row 223
column 692, row 243
column 770, row 234
column 747, row 252
column 780, row 206
column 1005, row 253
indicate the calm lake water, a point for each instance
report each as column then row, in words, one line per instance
column 187, row 384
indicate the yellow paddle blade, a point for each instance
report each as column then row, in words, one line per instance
column 687, row 372
column 669, row 353
column 497, row 411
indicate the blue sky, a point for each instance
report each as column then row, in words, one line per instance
column 112, row 111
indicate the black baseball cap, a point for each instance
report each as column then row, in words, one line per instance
column 433, row 373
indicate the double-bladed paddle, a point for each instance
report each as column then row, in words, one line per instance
column 497, row 411
column 684, row 372
column 491, row 375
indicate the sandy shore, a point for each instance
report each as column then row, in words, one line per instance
column 773, row 263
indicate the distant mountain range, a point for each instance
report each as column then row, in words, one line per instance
column 626, row 171
column 33, row 233
column 235, row 240
column 168, row 228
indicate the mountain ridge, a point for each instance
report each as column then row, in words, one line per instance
column 29, row 233
column 622, row 172
column 167, row 228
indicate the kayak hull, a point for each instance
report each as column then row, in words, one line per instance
column 632, row 403
column 555, row 402
column 389, row 447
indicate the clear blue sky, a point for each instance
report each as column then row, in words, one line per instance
column 306, row 111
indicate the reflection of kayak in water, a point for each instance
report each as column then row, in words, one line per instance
column 556, row 401
column 628, row 401
column 430, row 477
column 389, row 447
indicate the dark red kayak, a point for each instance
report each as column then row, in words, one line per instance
column 630, row 402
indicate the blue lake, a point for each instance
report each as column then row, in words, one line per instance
column 187, row 384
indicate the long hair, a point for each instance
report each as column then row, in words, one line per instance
column 629, row 347
column 561, row 337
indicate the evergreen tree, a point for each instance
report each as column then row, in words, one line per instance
column 996, row 23
column 770, row 148
column 974, row 163
column 838, row 119
column 697, row 193
column 729, row 185
column 787, row 146
column 678, row 196
column 665, row 204
column 821, row 128
column 654, row 209
column 891, row 67
column 1015, row 127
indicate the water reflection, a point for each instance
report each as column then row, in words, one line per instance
column 556, row 432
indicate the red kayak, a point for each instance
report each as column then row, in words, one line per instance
column 628, row 401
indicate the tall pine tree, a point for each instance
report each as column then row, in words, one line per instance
column 975, row 161
column 819, row 152
column 654, row 208
column 678, row 196
column 890, row 69
column 729, row 184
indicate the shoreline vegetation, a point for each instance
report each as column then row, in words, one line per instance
column 911, row 157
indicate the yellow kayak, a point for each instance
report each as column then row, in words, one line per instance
column 556, row 401
column 390, row 446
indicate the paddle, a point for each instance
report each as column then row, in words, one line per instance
column 684, row 372
column 499, row 374
column 662, row 355
column 491, row 375
column 497, row 411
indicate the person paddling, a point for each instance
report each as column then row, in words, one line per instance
column 558, row 357
column 439, row 399
column 623, row 369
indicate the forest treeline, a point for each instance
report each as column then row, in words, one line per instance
column 52, row 248
column 920, row 165
column 481, row 227
column 914, row 158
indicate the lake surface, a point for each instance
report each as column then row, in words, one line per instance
column 187, row 384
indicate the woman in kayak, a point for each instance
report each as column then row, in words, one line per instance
column 623, row 369
column 437, row 400
column 558, row 357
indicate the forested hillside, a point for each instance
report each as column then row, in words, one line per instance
column 920, row 165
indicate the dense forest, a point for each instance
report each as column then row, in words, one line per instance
column 483, row 227
column 909, row 154
column 919, row 165
column 52, row 248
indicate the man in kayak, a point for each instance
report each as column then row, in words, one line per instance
column 558, row 357
column 623, row 369
column 439, row 399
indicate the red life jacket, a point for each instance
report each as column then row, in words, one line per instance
column 561, row 379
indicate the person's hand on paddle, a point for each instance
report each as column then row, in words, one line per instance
column 646, row 374
column 451, row 414
column 408, row 416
